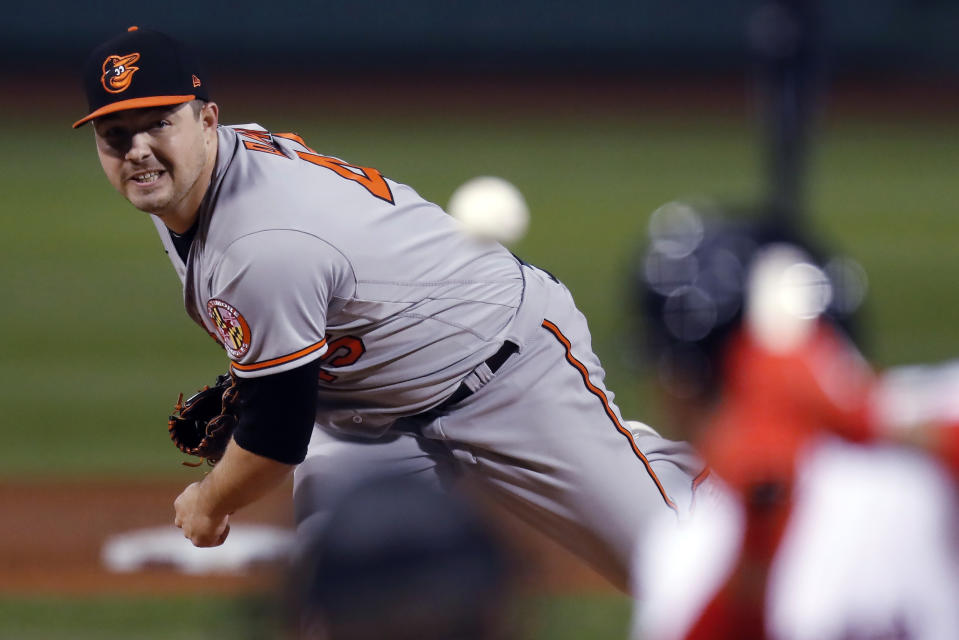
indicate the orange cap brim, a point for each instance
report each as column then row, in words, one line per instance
column 134, row 103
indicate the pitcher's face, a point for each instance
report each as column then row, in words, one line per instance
column 155, row 157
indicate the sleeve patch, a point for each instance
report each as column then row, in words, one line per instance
column 231, row 327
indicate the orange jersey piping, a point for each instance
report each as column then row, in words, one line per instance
column 256, row 366
column 701, row 477
column 552, row 328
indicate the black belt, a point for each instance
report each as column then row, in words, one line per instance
column 494, row 362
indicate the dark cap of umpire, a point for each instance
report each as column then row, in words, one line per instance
column 140, row 68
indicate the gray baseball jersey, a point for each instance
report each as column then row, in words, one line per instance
column 309, row 257
column 300, row 256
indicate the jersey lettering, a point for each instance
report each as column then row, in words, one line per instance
column 295, row 138
column 256, row 134
column 369, row 178
column 265, row 148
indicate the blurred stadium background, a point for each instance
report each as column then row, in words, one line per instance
column 599, row 112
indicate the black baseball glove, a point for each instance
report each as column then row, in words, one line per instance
column 203, row 425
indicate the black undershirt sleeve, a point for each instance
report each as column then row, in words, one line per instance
column 276, row 413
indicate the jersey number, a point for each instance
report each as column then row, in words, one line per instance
column 341, row 352
column 370, row 179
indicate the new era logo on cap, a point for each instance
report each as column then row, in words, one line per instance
column 139, row 68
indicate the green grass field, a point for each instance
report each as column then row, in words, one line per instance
column 252, row 618
column 96, row 344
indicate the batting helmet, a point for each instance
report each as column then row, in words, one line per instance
column 689, row 285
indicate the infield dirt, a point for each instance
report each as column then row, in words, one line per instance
column 54, row 531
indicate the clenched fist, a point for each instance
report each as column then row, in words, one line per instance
column 200, row 524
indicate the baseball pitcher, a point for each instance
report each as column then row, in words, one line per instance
column 366, row 332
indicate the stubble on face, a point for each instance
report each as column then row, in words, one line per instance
column 160, row 160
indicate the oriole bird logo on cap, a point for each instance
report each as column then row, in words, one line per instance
column 118, row 72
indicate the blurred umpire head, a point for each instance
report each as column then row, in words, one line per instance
column 689, row 287
column 400, row 559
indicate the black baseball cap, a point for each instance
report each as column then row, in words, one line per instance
column 140, row 68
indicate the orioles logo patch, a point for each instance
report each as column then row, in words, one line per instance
column 118, row 72
column 231, row 327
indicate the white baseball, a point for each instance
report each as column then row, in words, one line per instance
column 491, row 208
